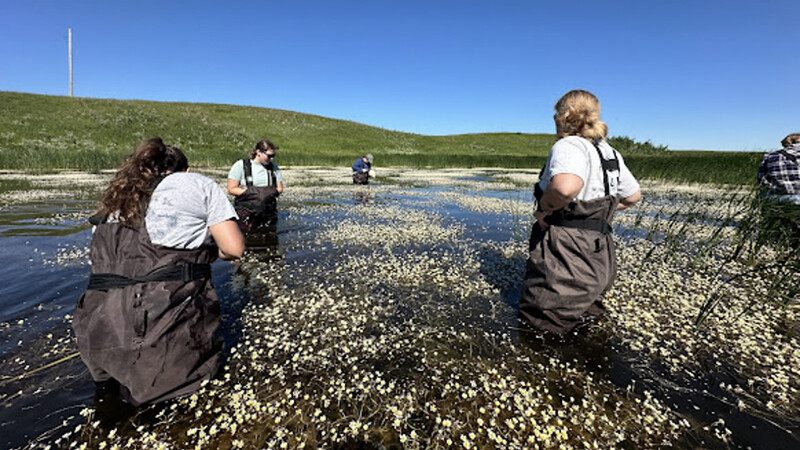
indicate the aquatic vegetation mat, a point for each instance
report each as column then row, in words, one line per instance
column 384, row 316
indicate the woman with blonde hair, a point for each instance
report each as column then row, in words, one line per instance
column 584, row 181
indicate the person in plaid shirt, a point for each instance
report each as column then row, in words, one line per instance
column 779, row 180
column 779, row 172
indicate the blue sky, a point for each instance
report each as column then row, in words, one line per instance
column 717, row 75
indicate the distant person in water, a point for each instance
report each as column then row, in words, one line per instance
column 147, row 322
column 572, row 262
column 779, row 181
column 361, row 169
column 256, row 182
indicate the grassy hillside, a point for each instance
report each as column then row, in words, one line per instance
column 50, row 132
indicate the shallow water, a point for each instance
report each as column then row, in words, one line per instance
column 476, row 214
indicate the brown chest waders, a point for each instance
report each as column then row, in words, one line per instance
column 149, row 316
column 257, row 205
column 572, row 263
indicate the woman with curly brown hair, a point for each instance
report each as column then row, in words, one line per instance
column 148, row 319
column 584, row 181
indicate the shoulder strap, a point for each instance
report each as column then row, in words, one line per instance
column 248, row 172
column 270, row 174
column 98, row 218
column 608, row 165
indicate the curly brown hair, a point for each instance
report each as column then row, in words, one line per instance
column 130, row 190
column 578, row 114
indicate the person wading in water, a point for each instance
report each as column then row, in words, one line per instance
column 779, row 196
column 572, row 262
column 256, row 182
column 146, row 323
column 361, row 169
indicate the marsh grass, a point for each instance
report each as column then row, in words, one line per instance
column 49, row 132
column 743, row 236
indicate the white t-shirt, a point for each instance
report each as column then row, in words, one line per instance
column 578, row 156
column 182, row 208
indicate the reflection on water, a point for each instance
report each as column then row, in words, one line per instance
column 411, row 284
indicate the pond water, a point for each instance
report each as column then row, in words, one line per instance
column 385, row 316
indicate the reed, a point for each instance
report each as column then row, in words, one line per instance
column 741, row 236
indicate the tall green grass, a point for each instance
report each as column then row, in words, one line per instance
column 39, row 132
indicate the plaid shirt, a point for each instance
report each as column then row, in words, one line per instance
column 779, row 173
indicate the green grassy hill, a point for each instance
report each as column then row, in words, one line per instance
column 39, row 132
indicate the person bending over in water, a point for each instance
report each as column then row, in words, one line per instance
column 584, row 181
column 148, row 318
column 256, row 182
column 361, row 169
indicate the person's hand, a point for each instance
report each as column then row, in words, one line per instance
column 539, row 216
column 364, row 170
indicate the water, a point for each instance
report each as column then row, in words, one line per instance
column 45, row 240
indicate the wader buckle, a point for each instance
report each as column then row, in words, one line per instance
column 192, row 271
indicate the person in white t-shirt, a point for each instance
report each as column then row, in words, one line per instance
column 146, row 324
column 584, row 181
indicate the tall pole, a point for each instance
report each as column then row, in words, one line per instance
column 70, row 62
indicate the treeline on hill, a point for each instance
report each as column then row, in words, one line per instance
column 39, row 132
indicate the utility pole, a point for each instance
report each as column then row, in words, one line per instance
column 70, row 62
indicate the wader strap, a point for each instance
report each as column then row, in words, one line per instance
column 270, row 174
column 599, row 225
column 248, row 172
column 98, row 218
column 607, row 165
column 185, row 272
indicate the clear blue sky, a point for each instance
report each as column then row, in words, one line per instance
column 721, row 75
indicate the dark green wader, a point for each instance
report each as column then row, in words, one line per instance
column 149, row 316
column 572, row 263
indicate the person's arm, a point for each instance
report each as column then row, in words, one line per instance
column 229, row 239
column 630, row 200
column 234, row 188
column 561, row 190
column 279, row 187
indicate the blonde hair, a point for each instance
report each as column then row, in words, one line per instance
column 578, row 114
column 791, row 139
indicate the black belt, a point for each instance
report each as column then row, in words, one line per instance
column 185, row 272
column 599, row 225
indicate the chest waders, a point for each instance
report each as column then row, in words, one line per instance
column 360, row 177
column 149, row 315
column 572, row 263
column 258, row 205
